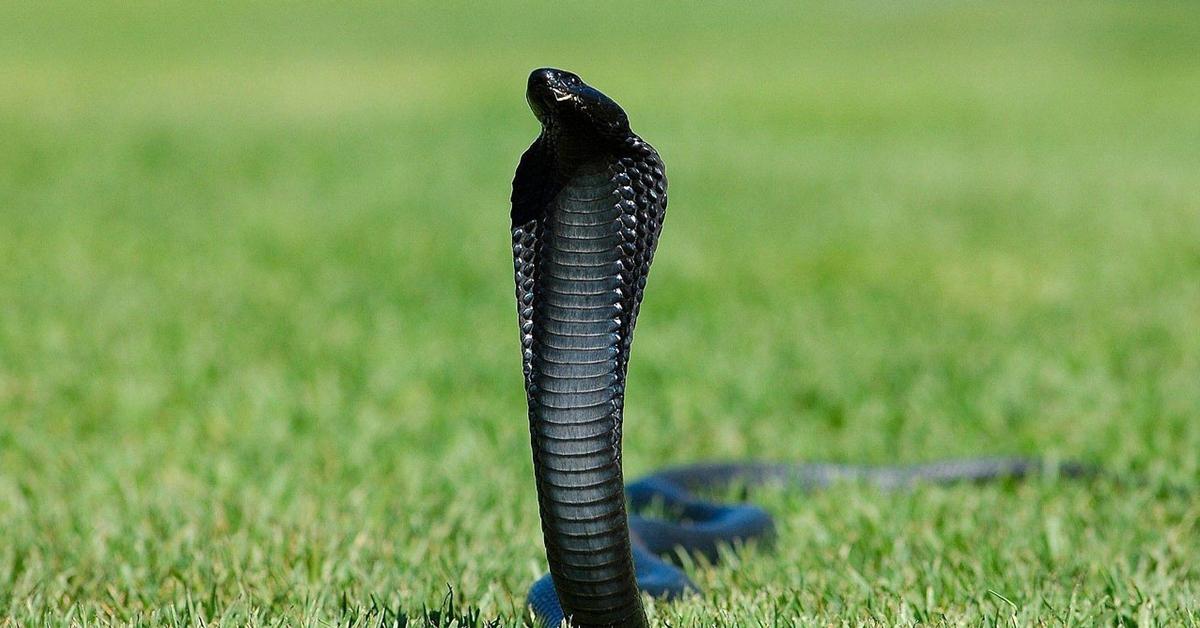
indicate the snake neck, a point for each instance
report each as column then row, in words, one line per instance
column 576, row 395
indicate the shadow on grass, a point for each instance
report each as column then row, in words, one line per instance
column 448, row 615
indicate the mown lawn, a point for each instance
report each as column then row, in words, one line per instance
column 258, row 354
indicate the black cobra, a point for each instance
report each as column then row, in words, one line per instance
column 588, row 203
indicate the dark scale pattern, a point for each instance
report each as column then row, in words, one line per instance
column 525, row 243
column 642, row 190
column 583, row 240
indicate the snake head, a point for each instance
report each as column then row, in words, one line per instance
column 560, row 99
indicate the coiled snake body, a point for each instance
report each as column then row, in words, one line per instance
column 588, row 203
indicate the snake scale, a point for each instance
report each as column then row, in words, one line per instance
column 588, row 202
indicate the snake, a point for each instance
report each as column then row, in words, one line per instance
column 588, row 201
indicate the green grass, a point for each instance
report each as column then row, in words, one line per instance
column 259, row 359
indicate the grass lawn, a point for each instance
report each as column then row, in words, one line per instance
column 258, row 351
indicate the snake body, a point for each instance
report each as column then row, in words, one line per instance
column 587, row 207
column 588, row 201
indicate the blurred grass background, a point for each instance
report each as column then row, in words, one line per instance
column 258, row 354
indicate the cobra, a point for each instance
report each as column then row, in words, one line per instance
column 588, row 202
